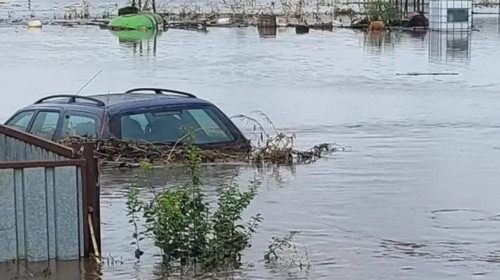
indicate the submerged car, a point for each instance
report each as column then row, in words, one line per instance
column 143, row 114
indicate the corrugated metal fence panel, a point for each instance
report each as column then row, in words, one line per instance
column 7, row 215
column 41, row 213
column 12, row 149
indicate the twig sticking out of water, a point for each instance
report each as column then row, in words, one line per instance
column 283, row 254
column 79, row 11
column 280, row 147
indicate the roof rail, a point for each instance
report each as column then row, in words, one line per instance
column 161, row 91
column 72, row 99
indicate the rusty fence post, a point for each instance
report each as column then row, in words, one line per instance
column 91, row 195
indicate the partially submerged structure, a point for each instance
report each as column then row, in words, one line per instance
column 450, row 15
column 415, row 19
column 451, row 24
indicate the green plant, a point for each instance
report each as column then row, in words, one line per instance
column 383, row 10
column 229, row 237
column 134, row 206
column 279, row 244
column 283, row 254
column 183, row 226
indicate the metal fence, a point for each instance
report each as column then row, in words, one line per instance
column 48, row 194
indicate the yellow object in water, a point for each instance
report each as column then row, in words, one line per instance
column 377, row 26
column 34, row 23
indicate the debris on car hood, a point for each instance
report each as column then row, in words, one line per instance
column 265, row 148
column 277, row 150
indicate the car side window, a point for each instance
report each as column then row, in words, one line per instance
column 45, row 124
column 21, row 120
column 141, row 119
column 208, row 124
column 79, row 125
column 170, row 125
column 133, row 127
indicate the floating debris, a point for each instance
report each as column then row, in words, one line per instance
column 427, row 74
column 35, row 23
column 377, row 26
column 415, row 19
column 276, row 150
column 302, row 29
column 187, row 25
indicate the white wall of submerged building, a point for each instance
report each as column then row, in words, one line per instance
column 450, row 15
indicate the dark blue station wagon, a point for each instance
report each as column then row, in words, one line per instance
column 143, row 114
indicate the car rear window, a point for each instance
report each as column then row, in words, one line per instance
column 21, row 120
column 204, row 124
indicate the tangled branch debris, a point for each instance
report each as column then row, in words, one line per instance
column 265, row 149
column 117, row 153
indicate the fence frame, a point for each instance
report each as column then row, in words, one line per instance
column 82, row 157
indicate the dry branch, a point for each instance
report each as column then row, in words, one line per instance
column 265, row 148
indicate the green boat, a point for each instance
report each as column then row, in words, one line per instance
column 135, row 21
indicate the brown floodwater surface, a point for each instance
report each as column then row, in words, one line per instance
column 416, row 198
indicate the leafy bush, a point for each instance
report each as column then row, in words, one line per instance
column 383, row 10
column 184, row 227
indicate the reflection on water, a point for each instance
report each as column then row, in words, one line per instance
column 417, row 198
column 62, row 270
column 267, row 32
column 450, row 46
column 376, row 38
column 421, row 34
column 379, row 41
column 141, row 42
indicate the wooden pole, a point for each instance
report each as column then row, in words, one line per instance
column 97, row 255
column 154, row 44
column 92, row 194
column 406, row 6
column 472, row 15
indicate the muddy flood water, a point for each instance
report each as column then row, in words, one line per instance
column 416, row 198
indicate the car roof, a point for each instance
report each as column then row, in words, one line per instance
column 118, row 102
column 127, row 98
column 129, row 101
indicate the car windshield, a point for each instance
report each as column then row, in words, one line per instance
column 203, row 124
